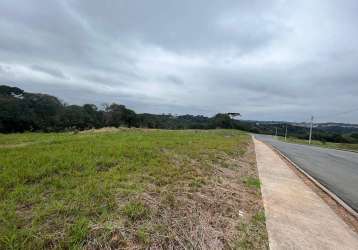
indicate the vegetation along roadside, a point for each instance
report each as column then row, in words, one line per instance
column 130, row 188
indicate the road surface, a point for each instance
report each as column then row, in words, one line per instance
column 335, row 169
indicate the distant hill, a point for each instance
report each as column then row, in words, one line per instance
column 21, row 111
column 329, row 125
column 333, row 132
column 341, row 128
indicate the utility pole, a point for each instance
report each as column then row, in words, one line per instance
column 276, row 132
column 310, row 139
column 286, row 133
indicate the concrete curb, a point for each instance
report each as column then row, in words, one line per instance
column 331, row 194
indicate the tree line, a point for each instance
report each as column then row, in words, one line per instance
column 21, row 111
column 338, row 135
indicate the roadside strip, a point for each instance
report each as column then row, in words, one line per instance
column 296, row 216
column 317, row 146
column 317, row 183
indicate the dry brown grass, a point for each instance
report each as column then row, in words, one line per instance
column 215, row 210
column 114, row 129
column 103, row 130
column 130, row 189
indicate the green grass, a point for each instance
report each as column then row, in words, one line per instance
column 78, row 232
column 252, row 182
column 252, row 233
column 135, row 211
column 344, row 146
column 55, row 187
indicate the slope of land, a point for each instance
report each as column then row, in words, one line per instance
column 130, row 188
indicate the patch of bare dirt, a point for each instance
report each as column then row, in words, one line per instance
column 216, row 211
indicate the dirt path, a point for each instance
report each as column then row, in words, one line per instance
column 297, row 218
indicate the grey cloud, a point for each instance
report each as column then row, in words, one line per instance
column 269, row 60
column 38, row 30
column 174, row 79
column 185, row 25
column 50, row 71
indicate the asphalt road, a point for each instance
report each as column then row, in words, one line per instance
column 335, row 169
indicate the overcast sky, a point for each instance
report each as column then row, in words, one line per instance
column 269, row 59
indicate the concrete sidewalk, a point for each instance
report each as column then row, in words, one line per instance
column 296, row 217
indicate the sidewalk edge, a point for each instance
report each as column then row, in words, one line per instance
column 319, row 185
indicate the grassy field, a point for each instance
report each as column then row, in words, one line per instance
column 130, row 188
column 345, row 146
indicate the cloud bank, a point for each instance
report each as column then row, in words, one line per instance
column 269, row 60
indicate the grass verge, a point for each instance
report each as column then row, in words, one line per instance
column 129, row 189
column 343, row 146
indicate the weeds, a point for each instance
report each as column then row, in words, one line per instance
column 197, row 183
column 252, row 235
column 58, row 190
column 135, row 211
column 252, row 182
column 168, row 199
column 259, row 217
column 78, row 232
column 143, row 235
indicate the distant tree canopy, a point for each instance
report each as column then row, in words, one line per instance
column 354, row 135
column 21, row 111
